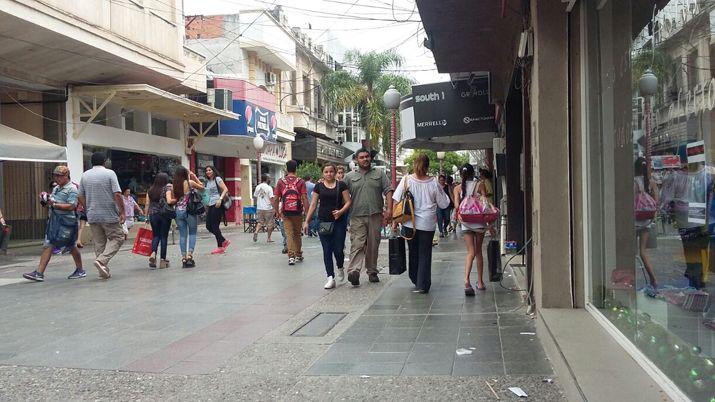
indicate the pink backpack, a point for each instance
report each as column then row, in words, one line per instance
column 476, row 209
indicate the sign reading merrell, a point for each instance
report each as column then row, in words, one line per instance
column 451, row 108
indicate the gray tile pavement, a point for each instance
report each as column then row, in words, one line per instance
column 222, row 332
column 426, row 330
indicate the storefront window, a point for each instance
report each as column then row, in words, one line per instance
column 134, row 170
column 651, row 184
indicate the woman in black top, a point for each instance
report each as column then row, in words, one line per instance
column 334, row 202
column 160, row 219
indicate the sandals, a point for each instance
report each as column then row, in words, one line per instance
column 468, row 290
column 190, row 263
column 152, row 262
column 484, row 287
column 184, row 263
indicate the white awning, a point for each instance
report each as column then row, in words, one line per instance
column 150, row 99
column 18, row 146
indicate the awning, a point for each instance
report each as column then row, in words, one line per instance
column 18, row 146
column 157, row 101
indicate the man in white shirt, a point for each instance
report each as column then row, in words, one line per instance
column 264, row 207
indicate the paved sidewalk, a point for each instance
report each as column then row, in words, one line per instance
column 406, row 333
column 225, row 331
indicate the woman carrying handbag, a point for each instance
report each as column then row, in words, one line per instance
column 473, row 232
column 427, row 196
column 188, row 206
column 334, row 200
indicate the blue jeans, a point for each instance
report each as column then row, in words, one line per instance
column 313, row 226
column 334, row 245
column 443, row 216
column 160, row 226
column 187, row 228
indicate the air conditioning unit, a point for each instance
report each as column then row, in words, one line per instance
column 271, row 78
column 220, row 99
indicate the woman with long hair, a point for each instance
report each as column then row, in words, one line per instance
column 157, row 197
column 473, row 232
column 642, row 184
column 334, row 200
column 184, row 182
column 428, row 196
column 218, row 192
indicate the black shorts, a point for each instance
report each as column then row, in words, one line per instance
column 82, row 216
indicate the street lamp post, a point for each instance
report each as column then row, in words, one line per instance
column 440, row 157
column 258, row 144
column 392, row 103
column 647, row 86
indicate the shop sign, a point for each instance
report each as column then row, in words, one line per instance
column 665, row 162
column 275, row 153
column 254, row 120
column 696, row 152
column 328, row 151
column 449, row 109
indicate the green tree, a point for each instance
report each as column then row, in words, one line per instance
column 311, row 169
column 361, row 84
column 450, row 159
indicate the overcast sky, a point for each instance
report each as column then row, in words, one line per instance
column 362, row 24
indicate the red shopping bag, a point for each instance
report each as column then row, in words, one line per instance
column 142, row 244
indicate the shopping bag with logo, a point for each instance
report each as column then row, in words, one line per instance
column 142, row 244
column 477, row 209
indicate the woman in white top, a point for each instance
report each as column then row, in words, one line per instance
column 428, row 196
column 473, row 232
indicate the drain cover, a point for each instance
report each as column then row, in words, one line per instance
column 319, row 325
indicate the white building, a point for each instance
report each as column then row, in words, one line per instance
column 104, row 78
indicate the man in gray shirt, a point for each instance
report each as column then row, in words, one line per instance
column 367, row 188
column 99, row 192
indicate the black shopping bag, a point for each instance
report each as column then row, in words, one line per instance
column 494, row 261
column 397, row 256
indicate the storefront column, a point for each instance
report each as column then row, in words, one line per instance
column 247, row 180
column 232, row 178
column 550, row 157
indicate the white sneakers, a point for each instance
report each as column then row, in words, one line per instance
column 341, row 275
column 330, row 284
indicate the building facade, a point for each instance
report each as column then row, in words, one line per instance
column 112, row 85
column 607, row 131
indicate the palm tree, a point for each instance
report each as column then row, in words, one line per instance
column 361, row 85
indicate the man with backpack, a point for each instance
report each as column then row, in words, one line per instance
column 62, row 225
column 292, row 194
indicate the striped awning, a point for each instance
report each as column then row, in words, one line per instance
column 18, row 146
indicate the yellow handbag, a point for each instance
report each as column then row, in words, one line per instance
column 404, row 210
